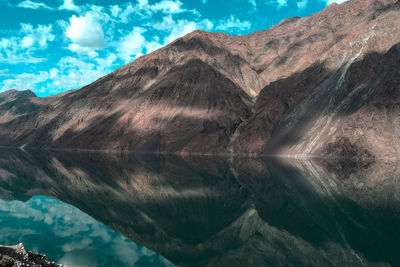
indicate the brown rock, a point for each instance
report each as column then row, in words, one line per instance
column 297, row 88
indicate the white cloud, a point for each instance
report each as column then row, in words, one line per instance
column 183, row 27
column 127, row 11
column 253, row 3
column 302, row 4
column 37, row 36
column 53, row 73
column 107, row 61
column 4, row 73
column 167, row 6
column 25, row 80
column 153, row 45
column 328, row 2
column 69, row 73
column 74, row 73
column 82, row 50
column 180, row 28
column 12, row 54
column 281, row 3
column 21, row 48
column 115, row 10
column 168, row 23
column 33, row 5
column 69, row 5
column 233, row 24
column 86, row 31
column 131, row 45
column 144, row 9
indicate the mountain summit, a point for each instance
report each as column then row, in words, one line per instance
column 327, row 84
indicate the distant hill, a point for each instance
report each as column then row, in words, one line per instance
column 15, row 94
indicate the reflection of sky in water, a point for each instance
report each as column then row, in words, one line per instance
column 69, row 236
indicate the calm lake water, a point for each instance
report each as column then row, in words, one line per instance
column 90, row 209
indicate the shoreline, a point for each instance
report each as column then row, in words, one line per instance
column 18, row 256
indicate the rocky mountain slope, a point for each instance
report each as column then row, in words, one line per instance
column 327, row 84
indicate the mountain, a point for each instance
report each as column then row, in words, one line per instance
column 15, row 94
column 14, row 103
column 327, row 84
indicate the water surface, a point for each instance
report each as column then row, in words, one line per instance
column 106, row 209
column 69, row 236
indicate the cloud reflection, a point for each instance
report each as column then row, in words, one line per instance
column 68, row 235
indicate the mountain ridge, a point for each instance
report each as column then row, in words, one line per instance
column 293, row 89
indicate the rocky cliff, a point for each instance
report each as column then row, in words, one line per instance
column 327, row 84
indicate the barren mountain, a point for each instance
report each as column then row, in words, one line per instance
column 327, row 84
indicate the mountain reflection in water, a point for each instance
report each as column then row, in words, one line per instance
column 198, row 211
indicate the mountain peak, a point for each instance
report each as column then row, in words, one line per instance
column 16, row 94
column 326, row 84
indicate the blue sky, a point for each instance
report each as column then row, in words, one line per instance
column 50, row 46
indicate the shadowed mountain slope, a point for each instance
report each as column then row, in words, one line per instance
column 307, row 86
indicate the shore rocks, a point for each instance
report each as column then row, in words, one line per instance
column 18, row 256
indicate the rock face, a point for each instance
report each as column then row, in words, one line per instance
column 307, row 86
column 14, row 103
column 17, row 256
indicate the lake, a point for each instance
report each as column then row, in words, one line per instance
column 104, row 209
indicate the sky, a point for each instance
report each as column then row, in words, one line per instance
column 50, row 46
